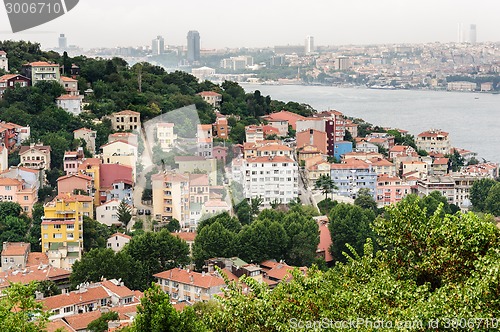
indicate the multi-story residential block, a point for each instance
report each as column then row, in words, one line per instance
column 211, row 97
column 274, row 178
column 215, row 206
column 383, row 139
column 18, row 191
column 171, row 197
column 130, row 138
column 41, row 71
column 70, row 85
column 315, row 170
column 282, row 120
column 88, row 136
column 382, row 166
column 434, row 140
column 107, row 213
column 30, row 176
column 15, row 255
column 204, row 140
column 120, row 152
column 35, row 156
column 367, row 147
column 221, row 126
column 307, row 152
column 126, row 120
column 266, row 148
column 196, row 164
column 75, row 183
column 353, row 175
column 89, row 298
column 72, row 159
column 117, row 241
column 165, row 135
column 340, row 148
column 115, row 182
column 443, row 184
column 199, row 188
column 10, row 81
column 190, row 286
column 440, row 166
column 312, row 137
column 70, row 103
column 62, row 228
column 391, row 189
column 12, row 135
column 401, row 150
column 420, row 167
column 462, row 86
column 254, row 134
column 351, row 127
column 220, row 153
column 4, row 61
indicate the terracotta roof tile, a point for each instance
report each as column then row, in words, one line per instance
column 194, row 278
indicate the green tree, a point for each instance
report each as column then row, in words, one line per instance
column 101, row 324
column 156, row 252
column 326, row 205
column 106, row 263
column 255, row 204
column 365, row 200
column 156, row 314
column 19, row 312
column 95, row 234
column 124, row 213
column 48, row 288
column 349, row 225
column 492, row 202
column 213, row 241
column 479, row 193
column 174, row 225
column 325, row 184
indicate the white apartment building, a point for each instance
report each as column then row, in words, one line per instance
column 434, row 140
column 165, row 135
column 274, row 178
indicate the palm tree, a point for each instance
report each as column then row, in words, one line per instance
column 326, row 184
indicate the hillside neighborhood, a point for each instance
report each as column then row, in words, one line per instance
column 177, row 174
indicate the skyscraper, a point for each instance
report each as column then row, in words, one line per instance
column 472, row 34
column 193, row 46
column 309, row 44
column 63, row 42
column 158, row 46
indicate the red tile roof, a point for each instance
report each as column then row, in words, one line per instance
column 69, row 97
column 209, row 93
column 126, row 112
column 67, row 197
column 114, row 173
column 15, row 248
column 59, row 325
column 42, row 64
column 79, row 176
column 285, row 116
column 186, row 236
column 191, row 278
column 120, row 291
column 120, row 234
column 33, row 273
column 82, row 296
column 198, row 179
column 43, row 148
column 68, row 79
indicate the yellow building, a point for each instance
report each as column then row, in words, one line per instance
column 62, row 228
column 171, row 197
column 91, row 167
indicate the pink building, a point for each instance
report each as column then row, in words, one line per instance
column 18, row 191
column 391, row 190
column 72, row 182
column 220, row 153
column 313, row 137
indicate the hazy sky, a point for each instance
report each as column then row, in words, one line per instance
column 259, row 23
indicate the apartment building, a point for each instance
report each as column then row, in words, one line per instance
column 211, row 97
column 313, row 137
column 171, row 197
column 204, row 140
column 434, row 140
column 14, row 255
column 18, row 191
column 165, row 135
column 353, row 175
column 254, row 134
column 274, row 178
column 120, row 152
column 126, row 120
column 41, row 71
column 4, row 61
column 70, row 103
column 9, row 81
column 35, row 156
column 221, row 126
column 190, row 286
column 88, row 136
column 391, row 189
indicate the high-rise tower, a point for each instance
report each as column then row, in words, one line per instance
column 472, row 34
column 158, row 46
column 63, row 42
column 309, row 44
column 193, row 46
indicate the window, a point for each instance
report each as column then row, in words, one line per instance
column 57, row 226
column 68, row 309
column 7, row 187
column 45, row 236
column 57, row 236
column 25, row 198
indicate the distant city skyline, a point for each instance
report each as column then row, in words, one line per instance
column 95, row 23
